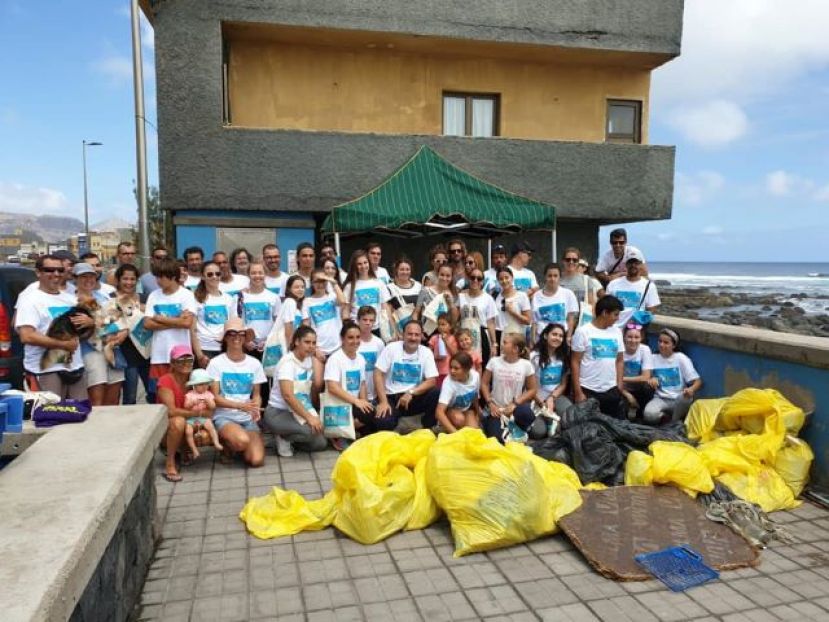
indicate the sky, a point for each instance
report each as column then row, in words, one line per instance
column 746, row 104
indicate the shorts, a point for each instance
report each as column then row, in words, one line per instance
column 98, row 370
column 222, row 420
column 196, row 420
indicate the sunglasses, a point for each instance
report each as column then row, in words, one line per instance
column 50, row 270
column 633, row 326
column 456, row 251
column 184, row 360
column 476, row 278
column 571, row 259
column 209, row 274
column 470, row 262
column 618, row 242
column 235, row 333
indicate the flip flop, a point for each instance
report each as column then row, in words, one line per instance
column 172, row 477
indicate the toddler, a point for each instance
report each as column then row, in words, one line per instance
column 200, row 400
column 443, row 345
column 465, row 344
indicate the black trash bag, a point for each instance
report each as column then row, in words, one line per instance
column 577, row 413
column 555, row 449
column 594, row 454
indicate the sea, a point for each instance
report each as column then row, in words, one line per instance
column 784, row 279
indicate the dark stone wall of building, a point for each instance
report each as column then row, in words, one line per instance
column 115, row 587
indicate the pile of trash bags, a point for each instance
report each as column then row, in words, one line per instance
column 493, row 495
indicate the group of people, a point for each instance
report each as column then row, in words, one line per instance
column 233, row 346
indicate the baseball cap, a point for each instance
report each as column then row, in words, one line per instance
column 634, row 255
column 179, row 351
column 499, row 248
column 83, row 268
column 522, row 247
column 199, row 376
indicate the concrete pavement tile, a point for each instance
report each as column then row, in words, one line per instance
column 480, row 574
column 671, row 606
column 621, row 608
column 323, row 571
column 208, row 609
column 397, row 610
column 226, row 524
column 235, row 607
column 545, row 593
column 440, row 535
column 221, row 508
column 374, row 565
column 331, row 595
column 288, row 600
column 180, row 588
column 640, row 587
column 445, row 607
column 311, row 551
column 416, row 559
column 192, row 499
column 592, row 586
column 518, row 550
column 186, row 564
column 501, row 599
column 177, row 609
column 807, row 583
column 772, row 563
column 524, row 616
column 524, row 568
column 566, row 563
column 719, row 598
column 799, row 611
column 343, row 614
column 263, row 604
column 753, row 615
column 432, row 581
column 407, row 540
column 764, row 592
column 149, row 613
column 350, row 547
column 577, row 612
column 272, row 555
column 379, row 589
column 549, row 545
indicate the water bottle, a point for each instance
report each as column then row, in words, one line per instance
column 552, row 425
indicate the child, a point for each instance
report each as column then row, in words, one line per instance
column 674, row 379
column 443, row 345
column 458, row 402
column 638, row 368
column 551, row 362
column 465, row 343
column 370, row 347
column 200, row 400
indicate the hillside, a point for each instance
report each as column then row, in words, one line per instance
column 49, row 228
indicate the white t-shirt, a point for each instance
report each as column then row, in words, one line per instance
column 549, row 376
column 237, row 381
column 324, row 313
column 300, row 373
column 518, row 298
column 350, row 373
column 674, row 374
column 508, row 379
column 288, row 313
column 159, row 303
column 191, row 282
column 37, row 310
column 404, row 370
column 638, row 362
column 370, row 350
column 523, row 279
column 630, row 293
column 553, row 309
column 107, row 290
column 260, row 310
column 608, row 260
column 483, row 302
column 370, row 292
column 276, row 284
column 381, row 273
column 600, row 347
column 460, row 394
column 236, row 285
column 210, row 320
column 407, row 294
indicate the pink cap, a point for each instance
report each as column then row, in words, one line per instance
column 176, row 352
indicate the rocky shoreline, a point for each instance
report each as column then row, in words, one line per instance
column 772, row 311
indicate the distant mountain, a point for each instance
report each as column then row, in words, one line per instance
column 48, row 228
column 111, row 224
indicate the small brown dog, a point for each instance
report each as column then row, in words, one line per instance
column 62, row 329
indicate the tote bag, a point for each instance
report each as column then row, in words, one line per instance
column 337, row 420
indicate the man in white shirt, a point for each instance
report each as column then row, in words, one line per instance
column 275, row 279
column 305, row 257
column 522, row 277
column 611, row 265
column 375, row 255
column 636, row 292
column 193, row 259
column 499, row 260
column 597, row 363
column 327, row 251
column 33, row 317
column 405, row 379
column 125, row 253
column 230, row 283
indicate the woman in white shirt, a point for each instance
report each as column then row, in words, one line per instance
column 674, row 379
column 508, row 387
column 551, row 361
column 637, row 370
column 458, row 405
column 323, row 311
column 291, row 414
column 514, row 308
column 214, row 309
column 362, row 287
column 475, row 302
column 259, row 308
column 404, row 289
column 345, row 377
column 445, row 285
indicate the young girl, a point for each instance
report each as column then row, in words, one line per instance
column 465, row 344
column 445, row 285
column 362, row 287
column 514, row 308
column 458, row 402
column 200, row 400
column 443, row 345
column 674, row 379
column 638, row 366
column 551, row 360
column 214, row 309
column 290, row 314
column 259, row 307
column 323, row 311
column 370, row 347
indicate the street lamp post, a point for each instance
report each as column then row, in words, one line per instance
column 86, row 143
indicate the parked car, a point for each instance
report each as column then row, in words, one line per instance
column 13, row 280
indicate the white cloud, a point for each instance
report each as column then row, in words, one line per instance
column 713, row 230
column 116, row 67
column 822, row 193
column 781, row 183
column 665, row 236
column 696, row 188
column 31, row 200
column 710, row 124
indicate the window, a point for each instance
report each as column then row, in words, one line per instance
column 470, row 115
column 624, row 121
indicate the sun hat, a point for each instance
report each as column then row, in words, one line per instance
column 199, row 376
column 180, row 350
column 83, row 268
column 237, row 324
column 634, row 255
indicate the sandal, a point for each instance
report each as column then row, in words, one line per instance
column 186, row 458
column 172, row 477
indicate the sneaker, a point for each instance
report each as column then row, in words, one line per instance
column 340, row 444
column 283, row 447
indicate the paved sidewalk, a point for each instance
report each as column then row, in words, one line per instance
column 208, row 568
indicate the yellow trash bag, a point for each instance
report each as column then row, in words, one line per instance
column 285, row 513
column 672, row 463
column 762, row 486
column 375, row 482
column 495, row 496
column 424, row 509
column 793, row 463
column 740, row 452
column 702, row 419
column 749, row 410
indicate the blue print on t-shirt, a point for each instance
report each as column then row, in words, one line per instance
column 215, row 314
column 370, row 296
column 371, row 360
column 238, row 384
column 271, row 356
column 553, row 313
column 551, row 375
column 257, row 311
column 628, row 298
column 633, row 368
column 275, row 289
column 141, row 334
column 305, row 400
column 338, row 416
column 323, row 313
column 57, row 311
column 522, row 284
column 171, row 309
column 668, row 377
column 352, row 380
column 406, row 373
column 464, row 401
column 604, row 348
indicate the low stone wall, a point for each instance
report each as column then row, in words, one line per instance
column 76, row 518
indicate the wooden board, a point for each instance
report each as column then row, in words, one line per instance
column 615, row 524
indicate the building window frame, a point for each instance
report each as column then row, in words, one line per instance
column 469, row 98
column 625, row 137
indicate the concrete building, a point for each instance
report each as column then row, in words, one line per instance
column 271, row 113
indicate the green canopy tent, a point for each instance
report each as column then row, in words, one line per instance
column 429, row 195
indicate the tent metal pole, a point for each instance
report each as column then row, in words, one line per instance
column 554, row 241
column 489, row 252
column 337, row 244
